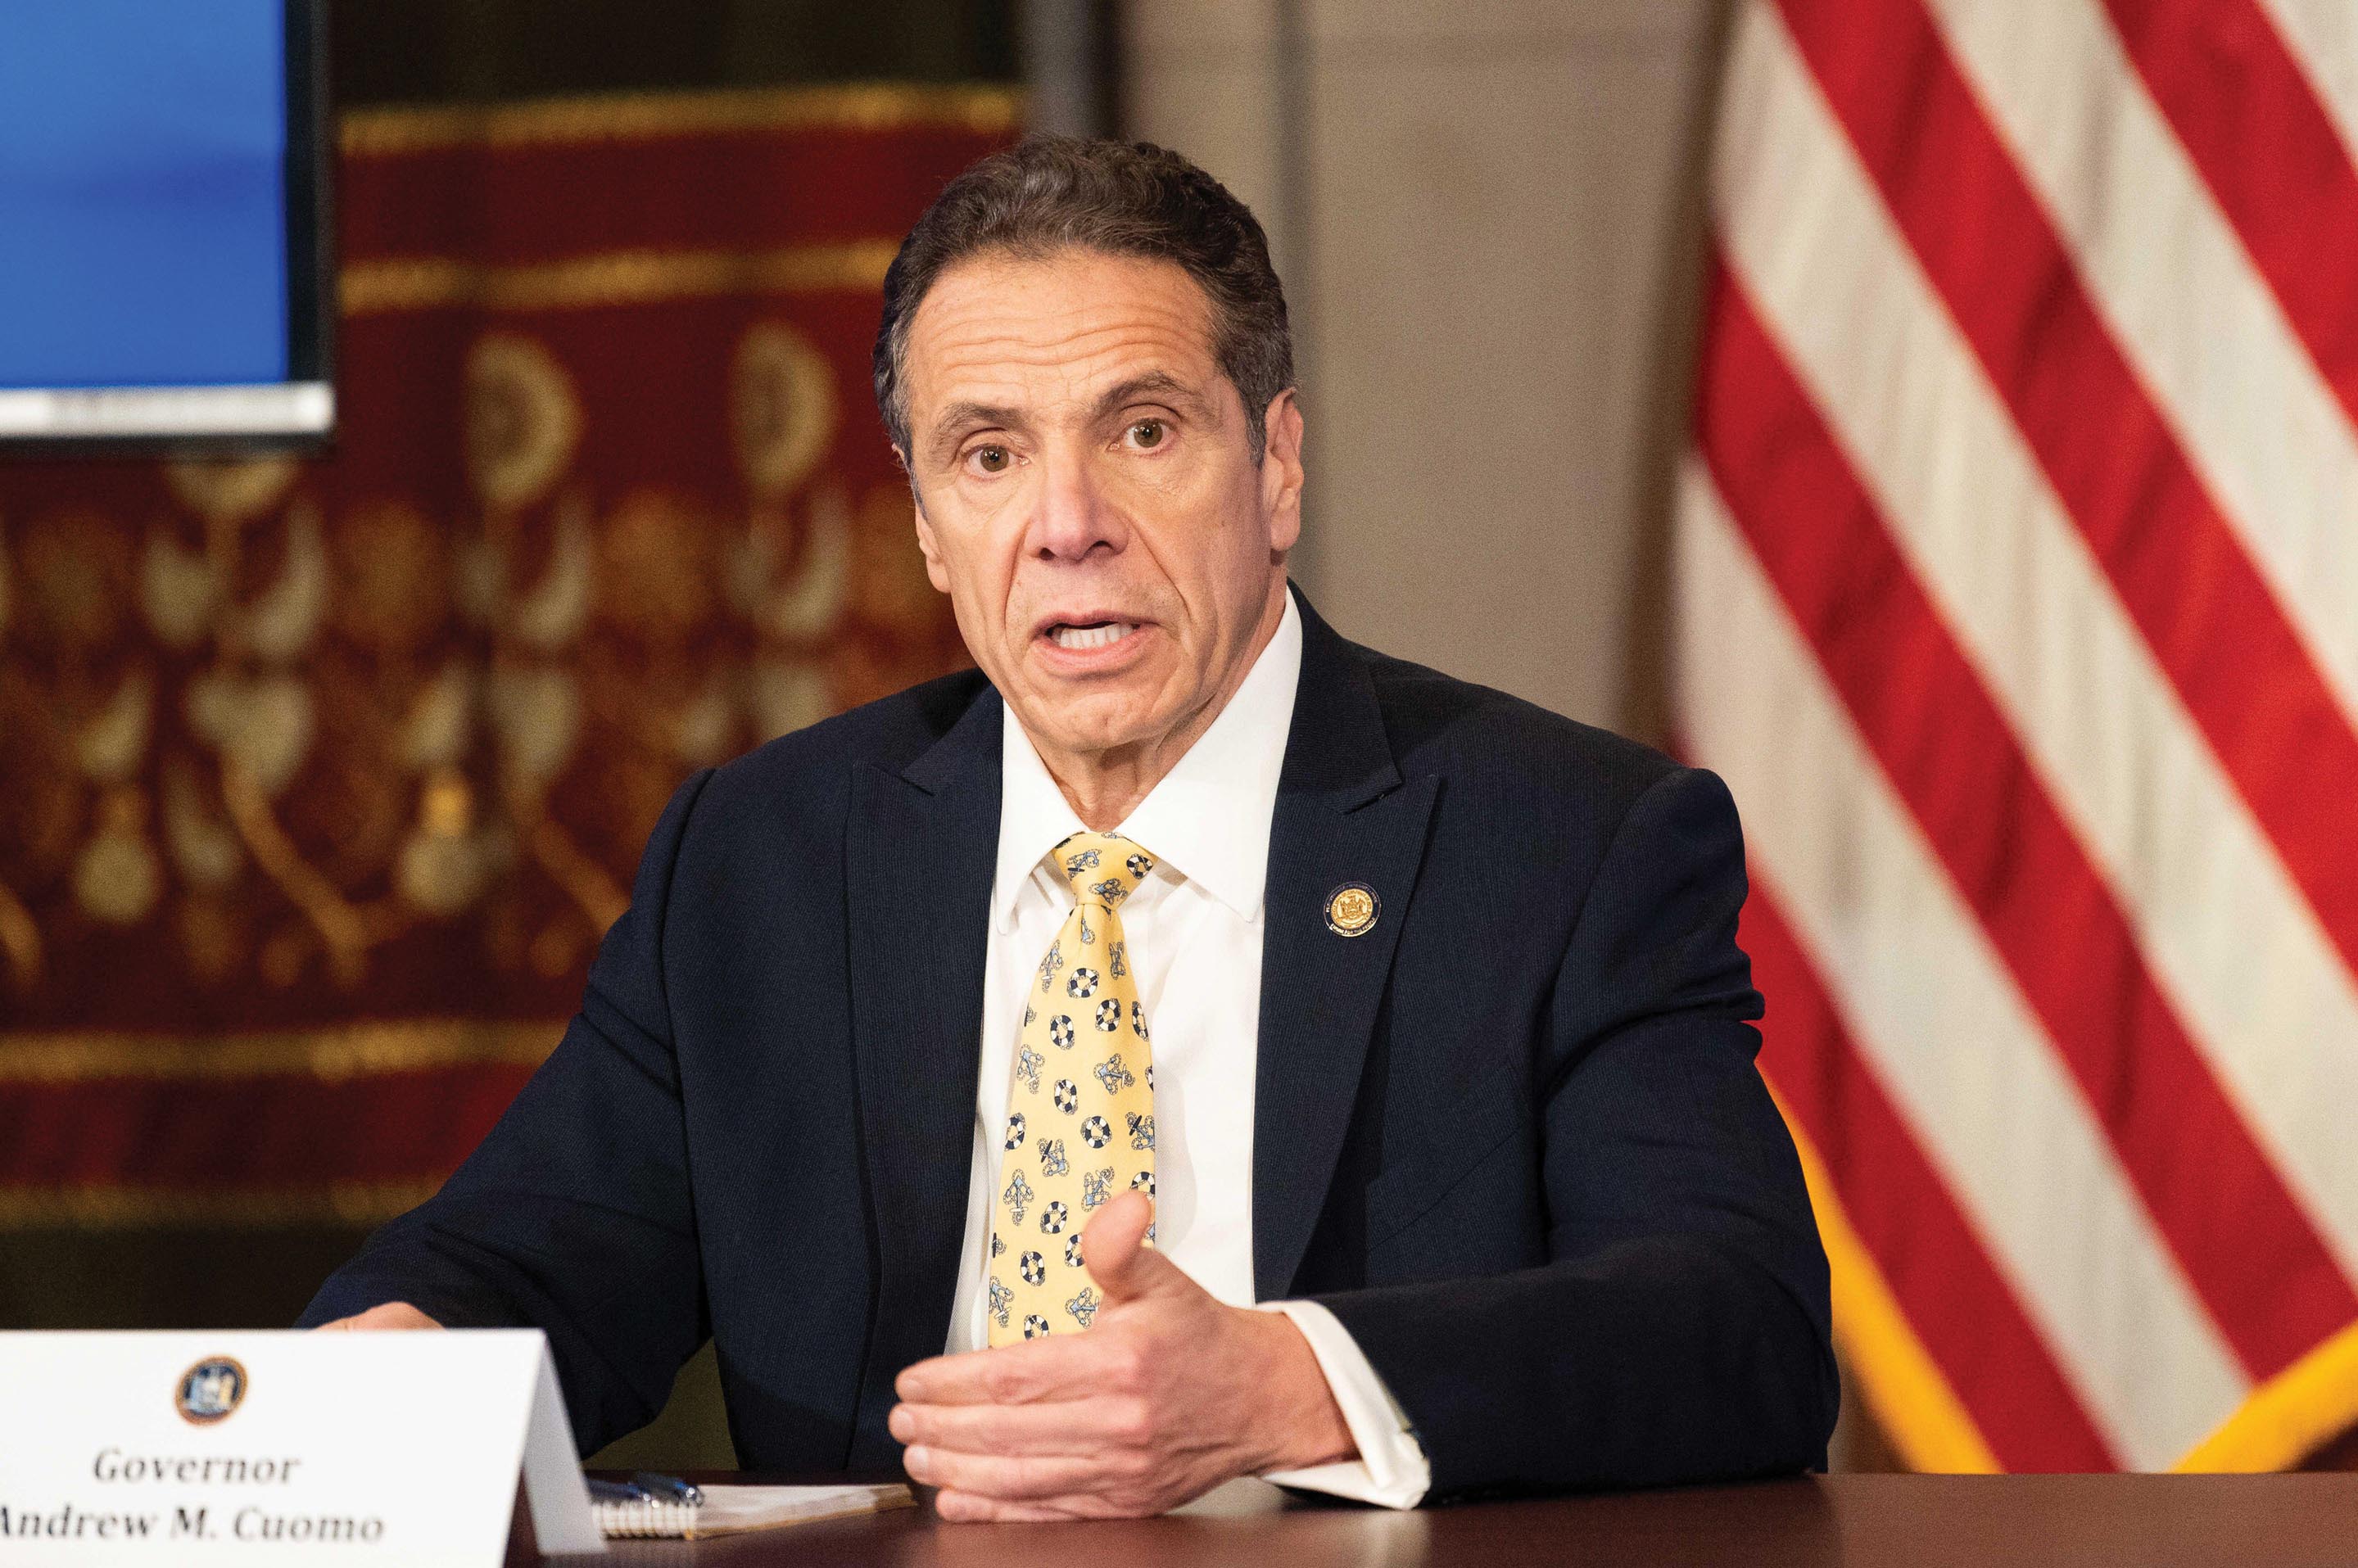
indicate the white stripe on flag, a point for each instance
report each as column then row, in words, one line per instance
column 1934, row 1010
column 2322, row 35
column 2173, row 282
column 2228, row 937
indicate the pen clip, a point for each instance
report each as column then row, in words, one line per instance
column 604, row 1491
column 668, row 1489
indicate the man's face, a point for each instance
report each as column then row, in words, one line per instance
column 1089, row 496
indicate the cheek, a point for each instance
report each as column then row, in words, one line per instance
column 974, row 565
column 1218, row 558
column 1200, row 533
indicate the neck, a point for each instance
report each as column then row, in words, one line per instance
column 1104, row 787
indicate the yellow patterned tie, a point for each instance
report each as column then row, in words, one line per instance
column 1080, row 1106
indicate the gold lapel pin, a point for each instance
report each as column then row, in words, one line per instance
column 1351, row 910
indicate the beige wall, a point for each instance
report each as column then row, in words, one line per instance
column 1490, row 241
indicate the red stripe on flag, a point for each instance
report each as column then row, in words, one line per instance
column 1966, row 1315
column 2239, row 1234
column 2176, row 563
column 2251, row 120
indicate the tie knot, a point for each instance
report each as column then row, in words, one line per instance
column 1103, row 868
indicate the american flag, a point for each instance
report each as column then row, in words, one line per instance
column 2018, row 582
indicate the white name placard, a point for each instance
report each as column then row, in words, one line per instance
column 368, row 1450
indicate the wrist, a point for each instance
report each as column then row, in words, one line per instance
column 1306, row 1423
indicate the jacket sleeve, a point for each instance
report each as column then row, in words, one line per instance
column 1680, row 1329
column 574, row 1214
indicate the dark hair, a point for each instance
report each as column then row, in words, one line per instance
column 1125, row 197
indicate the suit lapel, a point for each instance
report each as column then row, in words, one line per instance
column 1343, row 816
column 922, row 848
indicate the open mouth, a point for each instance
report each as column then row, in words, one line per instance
column 1080, row 638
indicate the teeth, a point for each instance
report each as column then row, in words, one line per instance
column 1076, row 638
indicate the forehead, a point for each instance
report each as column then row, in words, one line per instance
column 998, row 327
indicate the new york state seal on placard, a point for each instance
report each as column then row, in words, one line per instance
column 209, row 1391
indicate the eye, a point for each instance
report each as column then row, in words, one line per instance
column 1148, row 433
column 990, row 459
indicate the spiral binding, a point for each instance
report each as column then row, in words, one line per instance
column 656, row 1517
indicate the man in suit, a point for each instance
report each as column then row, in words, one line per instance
column 1189, row 1045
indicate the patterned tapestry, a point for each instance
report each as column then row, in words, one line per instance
column 322, row 778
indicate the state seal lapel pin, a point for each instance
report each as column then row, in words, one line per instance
column 1351, row 910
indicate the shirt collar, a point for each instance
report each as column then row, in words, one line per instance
column 1210, row 816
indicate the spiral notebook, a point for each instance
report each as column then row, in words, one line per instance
column 726, row 1510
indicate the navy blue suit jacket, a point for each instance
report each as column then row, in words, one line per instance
column 1512, row 1136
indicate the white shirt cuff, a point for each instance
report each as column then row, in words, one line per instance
column 1391, row 1469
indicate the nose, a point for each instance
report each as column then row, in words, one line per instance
column 1073, row 517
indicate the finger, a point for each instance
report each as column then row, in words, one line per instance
column 1028, row 1478
column 964, row 1507
column 1060, row 1366
column 389, row 1315
column 1082, row 1427
column 1113, row 1251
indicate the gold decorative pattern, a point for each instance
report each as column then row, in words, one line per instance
column 644, row 116
column 612, row 278
column 127, row 1209
column 523, row 423
column 783, row 407
column 20, row 938
column 352, row 1051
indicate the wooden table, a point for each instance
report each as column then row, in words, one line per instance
column 1859, row 1521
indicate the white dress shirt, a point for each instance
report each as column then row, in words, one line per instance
column 1195, row 930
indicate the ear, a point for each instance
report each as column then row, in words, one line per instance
column 1281, row 471
column 927, row 544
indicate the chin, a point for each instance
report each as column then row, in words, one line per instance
column 1098, row 721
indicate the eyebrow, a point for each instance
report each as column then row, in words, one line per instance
column 1157, row 384
column 961, row 417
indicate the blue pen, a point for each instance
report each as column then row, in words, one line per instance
column 668, row 1489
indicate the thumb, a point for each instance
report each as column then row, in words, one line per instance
column 1114, row 1251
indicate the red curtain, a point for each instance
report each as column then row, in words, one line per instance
column 322, row 778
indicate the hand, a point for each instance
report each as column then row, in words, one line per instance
column 392, row 1314
column 1168, row 1395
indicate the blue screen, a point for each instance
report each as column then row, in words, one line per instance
column 143, row 224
